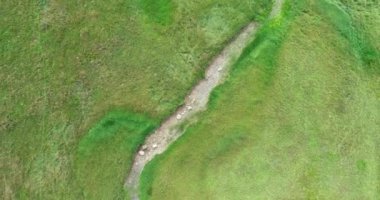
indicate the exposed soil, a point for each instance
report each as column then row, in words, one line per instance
column 195, row 102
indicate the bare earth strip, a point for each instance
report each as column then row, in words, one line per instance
column 195, row 102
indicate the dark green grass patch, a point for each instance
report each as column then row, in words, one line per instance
column 147, row 180
column 116, row 124
column 159, row 11
column 105, row 154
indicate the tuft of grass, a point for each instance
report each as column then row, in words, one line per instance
column 159, row 11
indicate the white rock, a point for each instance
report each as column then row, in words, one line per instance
column 189, row 107
column 179, row 116
column 141, row 153
column 154, row 145
column 144, row 147
column 220, row 69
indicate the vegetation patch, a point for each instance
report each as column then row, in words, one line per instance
column 159, row 11
column 105, row 154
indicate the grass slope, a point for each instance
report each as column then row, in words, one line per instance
column 297, row 119
column 65, row 63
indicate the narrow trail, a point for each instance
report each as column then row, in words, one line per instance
column 195, row 102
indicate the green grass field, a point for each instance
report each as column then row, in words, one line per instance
column 67, row 66
column 299, row 117
column 83, row 83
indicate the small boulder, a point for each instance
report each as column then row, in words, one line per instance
column 141, row 153
column 179, row 116
column 154, row 146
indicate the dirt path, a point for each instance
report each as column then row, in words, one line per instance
column 195, row 102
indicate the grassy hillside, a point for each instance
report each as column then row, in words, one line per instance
column 297, row 119
column 65, row 64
